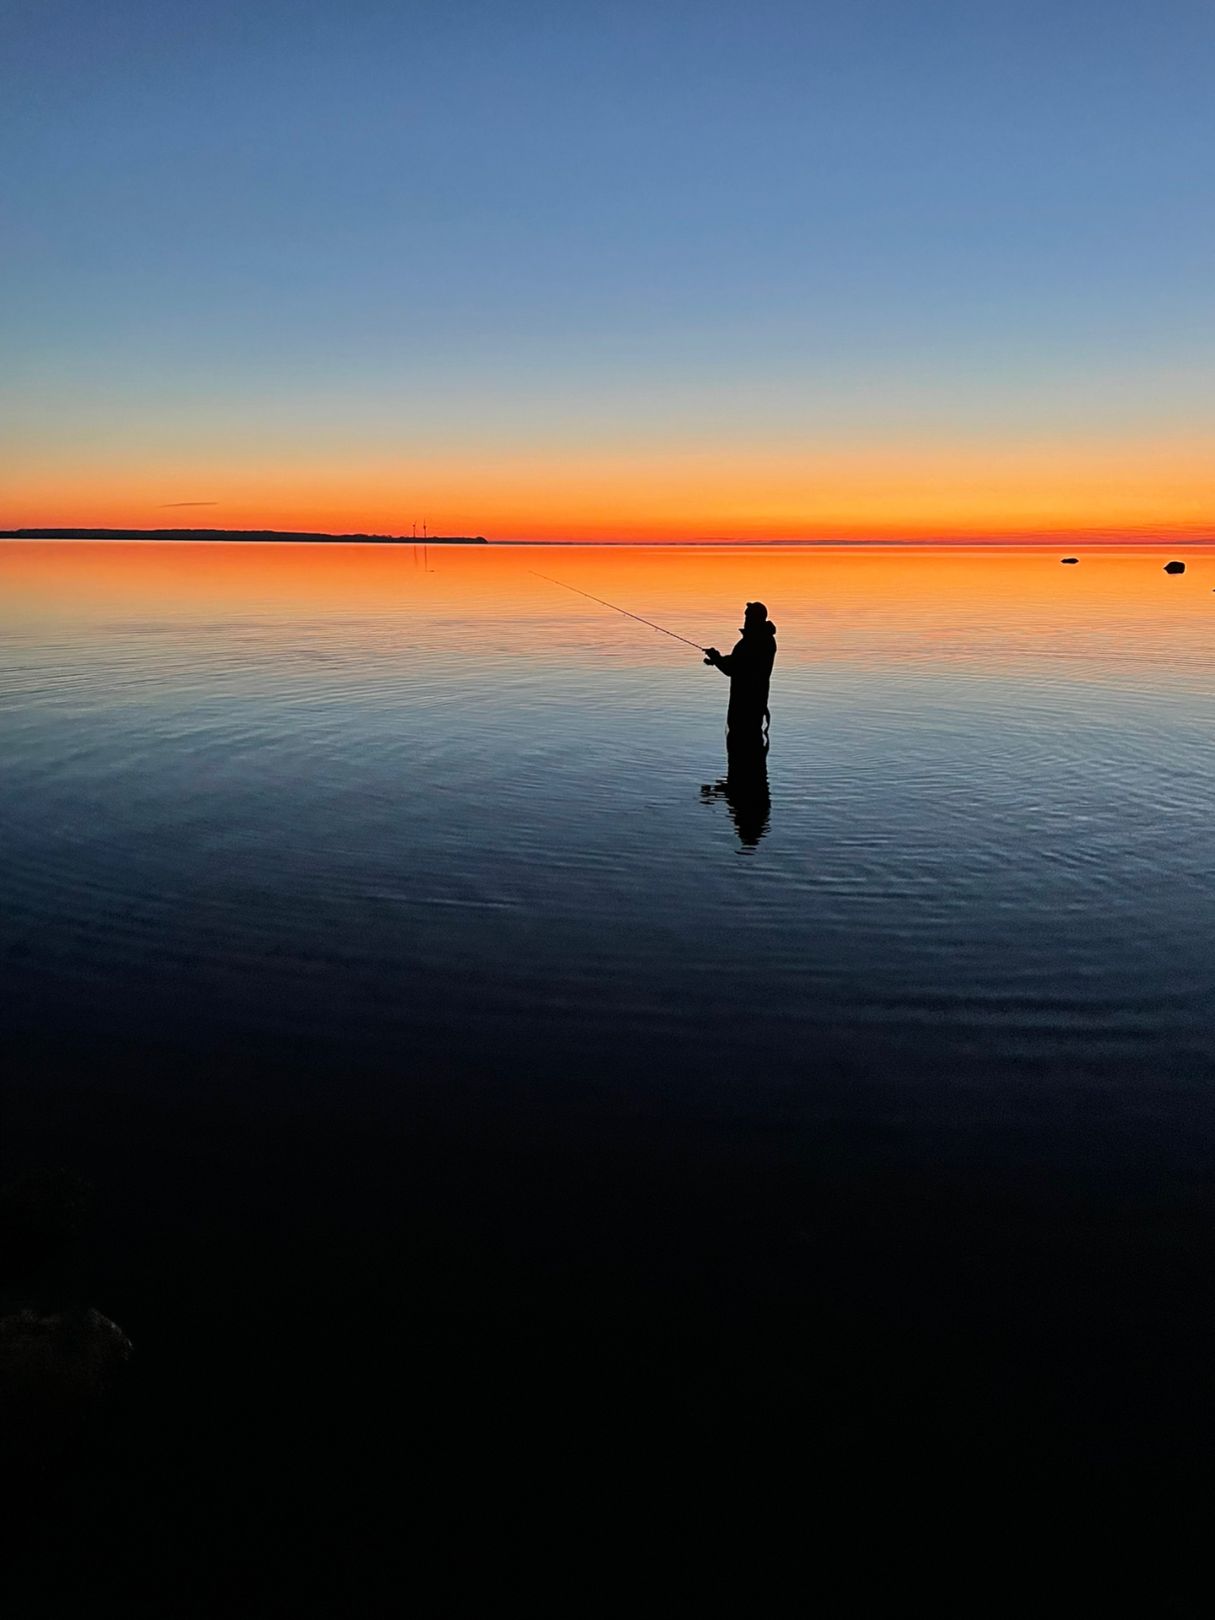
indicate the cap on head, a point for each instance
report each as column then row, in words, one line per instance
column 756, row 610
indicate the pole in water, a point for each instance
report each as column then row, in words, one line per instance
column 660, row 628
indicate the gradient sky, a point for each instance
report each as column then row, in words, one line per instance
column 610, row 270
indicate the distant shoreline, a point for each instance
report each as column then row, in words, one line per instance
column 254, row 536
column 1047, row 542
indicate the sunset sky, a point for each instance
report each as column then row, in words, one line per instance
column 610, row 270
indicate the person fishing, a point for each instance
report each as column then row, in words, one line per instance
column 749, row 667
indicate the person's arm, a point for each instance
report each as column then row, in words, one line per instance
column 724, row 661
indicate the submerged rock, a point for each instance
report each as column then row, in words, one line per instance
column 59, row 1358
column 1174, row 568
column 55, row 1365
column 72, row 1352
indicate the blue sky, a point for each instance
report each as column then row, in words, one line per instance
column 561, row 226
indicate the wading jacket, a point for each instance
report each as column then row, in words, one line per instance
column 749, row 667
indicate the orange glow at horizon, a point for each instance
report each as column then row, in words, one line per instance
column 691, row 495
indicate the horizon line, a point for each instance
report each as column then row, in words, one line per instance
column 1157, row 536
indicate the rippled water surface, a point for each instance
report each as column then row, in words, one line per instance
column 485, row 1090
column 381, row 803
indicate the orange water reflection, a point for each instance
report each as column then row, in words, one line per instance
column 837, row 597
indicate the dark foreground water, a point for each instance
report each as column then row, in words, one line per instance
column 526, row 1156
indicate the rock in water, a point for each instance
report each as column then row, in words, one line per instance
column 1174, row 568
column 1069, row 559
column 55, row 1366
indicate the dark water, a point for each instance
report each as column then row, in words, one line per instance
column 490, row 1103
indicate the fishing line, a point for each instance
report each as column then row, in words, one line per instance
column 660, row 628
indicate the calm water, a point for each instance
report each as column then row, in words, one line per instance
column 254, row 794
column 475, row 1082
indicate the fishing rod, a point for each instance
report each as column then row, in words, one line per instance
column 660, row 628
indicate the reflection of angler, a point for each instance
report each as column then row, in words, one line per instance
column 745, row 786
column 749, row 667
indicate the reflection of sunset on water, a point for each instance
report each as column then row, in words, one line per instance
column 873, row 603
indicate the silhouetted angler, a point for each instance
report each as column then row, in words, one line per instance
column 749, row 667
